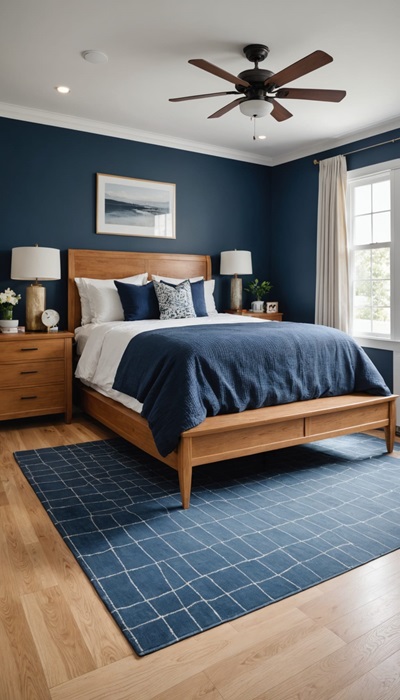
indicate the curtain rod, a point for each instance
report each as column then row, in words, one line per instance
column 366, row 148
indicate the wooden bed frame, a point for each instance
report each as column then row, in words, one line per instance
column 225, row 436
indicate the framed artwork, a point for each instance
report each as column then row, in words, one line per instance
column 129, row 207
column 271, row 307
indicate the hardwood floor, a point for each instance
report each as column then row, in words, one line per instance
column 338, row 641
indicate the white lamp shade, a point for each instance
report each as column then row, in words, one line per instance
column 256, row 108
column 35, row 263
column 236, row 262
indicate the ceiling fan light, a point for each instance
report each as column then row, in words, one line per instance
column 256, row 108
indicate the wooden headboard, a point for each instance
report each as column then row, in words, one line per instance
column 106, row 264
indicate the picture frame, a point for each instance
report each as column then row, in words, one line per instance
column 271, row 307
column 127, row 206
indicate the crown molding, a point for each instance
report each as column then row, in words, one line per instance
column 65, row 121
column 331, row 144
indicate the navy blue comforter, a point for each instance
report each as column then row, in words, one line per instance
column 182, row 375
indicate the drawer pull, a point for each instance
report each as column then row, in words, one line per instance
column 28, row 397
column 28, row 349
column 29, row 371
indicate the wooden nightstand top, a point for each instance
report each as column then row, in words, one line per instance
column 32, row 335
column 256, row 314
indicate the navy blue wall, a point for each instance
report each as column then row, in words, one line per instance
column 48, row 186
column 292, row 260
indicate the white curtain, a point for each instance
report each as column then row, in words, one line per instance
column 332, row 306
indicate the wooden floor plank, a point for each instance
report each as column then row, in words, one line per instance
column 363, row 619
column 388, row 673
column 62, row 650
column 195, row 688
column 249, row 674
column 365, row 688
column 20, row 667
column 357, row 592
column 354, row 660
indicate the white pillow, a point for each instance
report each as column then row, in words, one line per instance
column 209, row 286
column 84, row 297
column 100, row 300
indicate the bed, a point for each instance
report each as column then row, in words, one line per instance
column 226, row 436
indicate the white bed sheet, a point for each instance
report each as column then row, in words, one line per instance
column 102, row 345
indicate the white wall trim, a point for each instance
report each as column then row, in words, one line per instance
column 66, row 121
column 351, row 137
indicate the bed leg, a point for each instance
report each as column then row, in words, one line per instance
column 390, row 430
column 185, row 470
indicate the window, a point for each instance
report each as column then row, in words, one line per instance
column 374, row 235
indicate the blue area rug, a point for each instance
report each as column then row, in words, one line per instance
column 259, row 528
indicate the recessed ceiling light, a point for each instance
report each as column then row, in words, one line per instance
column 261, row 137
column 95, row 56
column 63, row 89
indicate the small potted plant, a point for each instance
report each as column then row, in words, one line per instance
column 259, row 290
column 8, row 299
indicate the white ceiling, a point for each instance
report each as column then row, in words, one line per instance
column 149, row 43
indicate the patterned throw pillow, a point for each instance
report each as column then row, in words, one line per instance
column 175, row 302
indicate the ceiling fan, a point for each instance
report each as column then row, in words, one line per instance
column 259, row 89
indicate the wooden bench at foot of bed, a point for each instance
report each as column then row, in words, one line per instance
column 251, row 432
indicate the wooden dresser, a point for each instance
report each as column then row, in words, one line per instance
column 35, row 374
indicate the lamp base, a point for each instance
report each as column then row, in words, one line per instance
column 236, row 293
column 35, row 305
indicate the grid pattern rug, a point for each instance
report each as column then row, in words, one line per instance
column 258, row 529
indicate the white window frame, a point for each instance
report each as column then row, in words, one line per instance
column 389, row 169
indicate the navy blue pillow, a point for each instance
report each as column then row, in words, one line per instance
column 138, row 302
column 199, row 302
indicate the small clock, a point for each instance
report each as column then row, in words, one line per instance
column 50, row 319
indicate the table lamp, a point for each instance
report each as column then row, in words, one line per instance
column 35, row 263
column 236, row 262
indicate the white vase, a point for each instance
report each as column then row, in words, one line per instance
column 257, row 306
column 9, row 323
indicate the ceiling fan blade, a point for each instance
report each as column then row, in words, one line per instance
column 227, row 108
column 198, row 97
column 210, row 68
column 311, row 94
column 314, row 60
column 280, row 113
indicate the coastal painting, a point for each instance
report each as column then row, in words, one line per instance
column 130, row 207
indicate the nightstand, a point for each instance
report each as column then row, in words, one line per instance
column 256, row 314
column 36, row 374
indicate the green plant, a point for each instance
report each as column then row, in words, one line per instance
column 259, row 289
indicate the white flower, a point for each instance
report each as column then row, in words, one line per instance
column 9, row 298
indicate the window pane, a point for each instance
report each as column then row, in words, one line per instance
column 362, row 293
column 380, row 261
column 381, row 227
column 381, row 293
column 362, row 322
column 362, row 264
column 362, row 199
column 381, row 196
column 381, row 321
column 363, row 229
